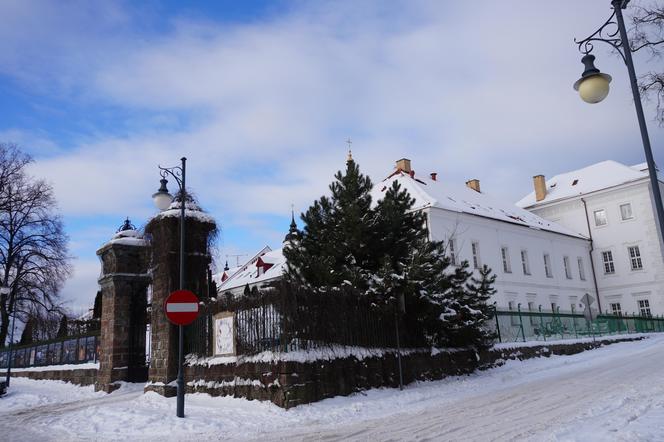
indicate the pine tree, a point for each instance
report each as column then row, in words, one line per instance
column 96, row 309
column 334, row 248
column 471, row 311
column 28, row 331
column 63, row 330
column 385, row 252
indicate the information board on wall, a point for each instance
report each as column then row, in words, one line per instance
column 224, row 334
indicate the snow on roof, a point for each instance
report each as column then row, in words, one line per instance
column 272, row 257
column 249, row 273
column 216, row 277
column 191, row 210
column 460, row 198
column 589, row 179
column 128, row 237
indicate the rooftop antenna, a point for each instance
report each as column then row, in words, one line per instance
column 350, row 154
column 237, row 258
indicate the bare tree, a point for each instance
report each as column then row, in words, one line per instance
column 12, row 164
column 34, row 262
column 647, row 33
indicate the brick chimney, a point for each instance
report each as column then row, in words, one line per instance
column 474, row 184
column 540, row 187
column 434, row 176
column 404, row 165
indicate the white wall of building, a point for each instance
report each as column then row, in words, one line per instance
column 625, row 286
column 517, row 287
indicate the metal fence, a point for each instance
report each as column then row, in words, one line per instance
column 287, row 319
column 522, row 326
column 69, row 350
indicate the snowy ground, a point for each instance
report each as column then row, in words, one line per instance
column 613, row 393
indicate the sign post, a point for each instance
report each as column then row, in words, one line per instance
column 181, row 308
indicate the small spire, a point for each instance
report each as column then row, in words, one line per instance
column 226, row 268
column 292, row 234
column 350, row 153
column 293, row 226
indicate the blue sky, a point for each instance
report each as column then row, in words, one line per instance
column 261, row 96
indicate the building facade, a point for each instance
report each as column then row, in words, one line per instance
column 538, row 263
column 611, row 204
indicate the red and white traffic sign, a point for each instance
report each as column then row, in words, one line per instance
column 181, row 307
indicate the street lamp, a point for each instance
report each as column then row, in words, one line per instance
column 5, row 290
column 162, row 200
column 593, row 87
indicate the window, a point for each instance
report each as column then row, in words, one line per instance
column 615, row 309
column 476, row 254
column 524, row 262
column 505, row 253
column 609, row 268
column 644, row 307
column 626, row 211
column 582, row 271
column 452, row 249
column 547, row 266
column 568, row 271
column 635, row 258
column 600, row 217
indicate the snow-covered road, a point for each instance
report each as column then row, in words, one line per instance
column 613, row 393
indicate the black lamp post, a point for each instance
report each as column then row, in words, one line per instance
column 163, row 200
column 593, row 87
column 4, row 290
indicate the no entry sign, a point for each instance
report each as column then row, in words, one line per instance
column 181, row 307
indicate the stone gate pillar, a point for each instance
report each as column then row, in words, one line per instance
column 124, row 281
column 164, row 230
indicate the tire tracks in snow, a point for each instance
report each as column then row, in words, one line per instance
column 533, row 409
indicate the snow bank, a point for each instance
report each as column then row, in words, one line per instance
column 318, row 354
column 506, row 345
column 84, row 366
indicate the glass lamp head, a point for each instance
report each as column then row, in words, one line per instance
column 162, row 199
column 593, row 86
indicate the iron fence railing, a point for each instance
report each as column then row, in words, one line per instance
column 518, row 325
column 285, row 319
column 69, row 350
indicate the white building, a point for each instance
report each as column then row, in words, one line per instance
column 610, row 203
column 537, row 262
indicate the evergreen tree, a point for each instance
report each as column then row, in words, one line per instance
column 334, row 248
column 96, row 309
column 63, row 330
column 28, row 331
column 385, row 252
column 471, row 310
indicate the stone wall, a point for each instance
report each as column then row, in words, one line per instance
column 83, row 376
column 289, row 383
